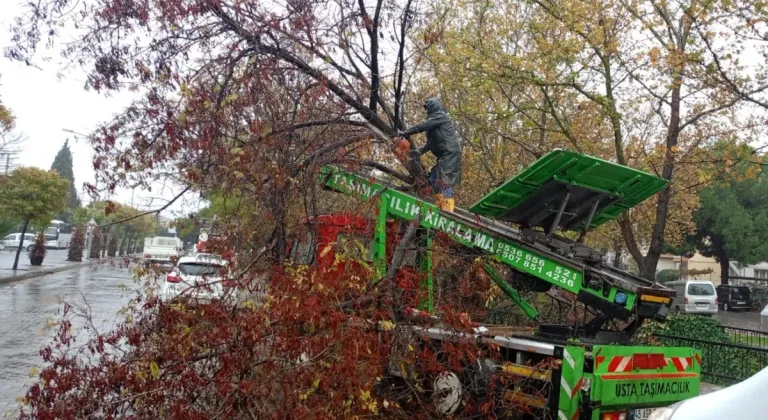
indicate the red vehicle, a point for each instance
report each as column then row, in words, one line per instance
column 335, row 240
column 347, row 242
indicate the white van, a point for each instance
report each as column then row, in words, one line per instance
column 694, row 297
column 160, row 249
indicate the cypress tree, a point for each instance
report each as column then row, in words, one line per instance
column 77, row 244
column 63, row 165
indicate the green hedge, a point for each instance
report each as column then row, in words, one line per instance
column 721, row 364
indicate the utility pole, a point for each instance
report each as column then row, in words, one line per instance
column 7, row 161
column 92, row 225
column 89, row 232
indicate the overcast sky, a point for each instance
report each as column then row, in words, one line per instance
column 48, row 101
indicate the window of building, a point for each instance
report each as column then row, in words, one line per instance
column 761, row 274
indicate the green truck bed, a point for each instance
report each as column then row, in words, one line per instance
column 533, row 197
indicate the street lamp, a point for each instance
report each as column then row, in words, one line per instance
column 91, row 226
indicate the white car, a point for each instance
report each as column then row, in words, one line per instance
column 12, row 241
column 200, row 277
column 745, row 400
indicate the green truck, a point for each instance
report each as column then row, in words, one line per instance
column 534, row 224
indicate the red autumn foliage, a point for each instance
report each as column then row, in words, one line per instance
column 295, row 353
column 262, row 77
column 246, row 101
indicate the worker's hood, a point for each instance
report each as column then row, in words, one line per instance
column 433, row 105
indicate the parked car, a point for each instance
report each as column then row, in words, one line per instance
column 694, row 297
column 745, row 400
column 200, row 278
column 12, row 241
column 731, row 298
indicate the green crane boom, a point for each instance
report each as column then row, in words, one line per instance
column 563, row 191
column 537, row 255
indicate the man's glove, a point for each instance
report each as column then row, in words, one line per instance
column 401, row 147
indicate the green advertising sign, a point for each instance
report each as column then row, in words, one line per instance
column 408, row 207
column 644, row 375
column 653, row 389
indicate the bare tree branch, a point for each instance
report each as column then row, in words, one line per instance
column 146, row 213
column 400, row 66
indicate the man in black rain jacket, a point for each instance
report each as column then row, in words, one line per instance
column 444, row 143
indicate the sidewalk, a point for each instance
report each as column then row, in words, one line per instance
column 708, row 388
column 29, row 272
column 55, row 261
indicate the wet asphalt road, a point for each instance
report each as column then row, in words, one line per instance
column 748, row 320
column 27, row 306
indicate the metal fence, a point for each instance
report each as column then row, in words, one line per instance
column 725, row 363
column 751, row 338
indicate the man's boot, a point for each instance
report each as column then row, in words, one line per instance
column 439, row 198
column 444, row 204
column 448, row 205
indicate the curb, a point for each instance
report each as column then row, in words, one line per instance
column 706, row 388
column 35, row 274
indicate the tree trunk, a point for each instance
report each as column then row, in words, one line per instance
column 617, row 251
column 105, row 242
column 625, row 224
column 122, row 244
column 651, row 260
column 21, row 244
column 278, row 206
column 724, row 268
